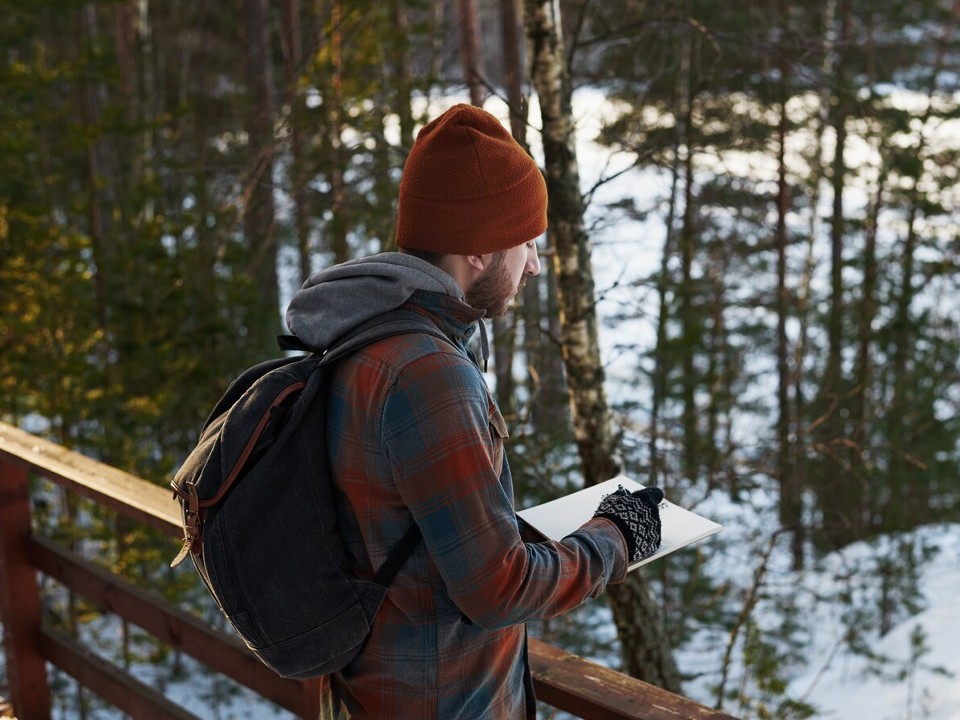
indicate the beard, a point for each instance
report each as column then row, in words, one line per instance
column 492, row 291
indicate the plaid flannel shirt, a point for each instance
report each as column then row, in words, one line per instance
column 415, row 436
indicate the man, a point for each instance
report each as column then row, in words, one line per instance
column 416, row 437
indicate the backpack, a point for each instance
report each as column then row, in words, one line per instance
column 259, row 515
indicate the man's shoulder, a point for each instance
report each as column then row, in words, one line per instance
column 419, row 362
column 399, row 352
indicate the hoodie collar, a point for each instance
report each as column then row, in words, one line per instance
column 455, row 318
column 334, row 301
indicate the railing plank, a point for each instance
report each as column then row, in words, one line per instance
column 134, row 497
column 565, row 681
column 594, row 692
column 118, row 688
column 182, row 631
column 20, row 598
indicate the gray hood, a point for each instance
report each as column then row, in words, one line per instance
column 336, row 300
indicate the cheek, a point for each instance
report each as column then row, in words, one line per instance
column 518, row 270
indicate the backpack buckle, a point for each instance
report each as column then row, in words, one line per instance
column 191, row 525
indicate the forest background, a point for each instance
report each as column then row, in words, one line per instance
column 749, row 296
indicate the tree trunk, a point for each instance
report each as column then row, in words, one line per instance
column 571, row 249
column 258, row 210
column 909, row 489
column 688, row 312
column 101, row 191
column 791, row 508
column 292, row 62
column 863, row 411
column 506, row 337
column 402, row 73
column 646, row 651
column 689, row 317
column 513, row 69
column 545, row 375
column 661, row 370
column 840, row 491
column 110, row 285
column 337, row 228
column 437, row 32
column 470, row 55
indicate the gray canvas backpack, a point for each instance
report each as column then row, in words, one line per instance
column 258, row 510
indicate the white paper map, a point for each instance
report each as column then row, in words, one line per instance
column 558, row 518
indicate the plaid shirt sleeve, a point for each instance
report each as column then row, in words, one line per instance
column 444, row 438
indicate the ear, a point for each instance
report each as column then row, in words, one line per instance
column 464, row 268
column 477, row 262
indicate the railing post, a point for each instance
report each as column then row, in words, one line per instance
column 20, row 599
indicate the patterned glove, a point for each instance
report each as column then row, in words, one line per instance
column 637, row 514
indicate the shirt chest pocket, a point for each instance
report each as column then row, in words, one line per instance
column 498, row 435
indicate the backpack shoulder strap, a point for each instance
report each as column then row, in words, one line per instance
column 398, row 556
column 394, row 322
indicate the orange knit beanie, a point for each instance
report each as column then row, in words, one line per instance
column 468, row 188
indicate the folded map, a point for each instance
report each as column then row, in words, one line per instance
column 558, row 518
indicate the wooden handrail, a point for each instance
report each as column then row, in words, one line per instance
column 120, row 689
column 565, row 681
column 178, row 629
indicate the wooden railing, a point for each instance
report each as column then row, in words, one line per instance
column 567, row 682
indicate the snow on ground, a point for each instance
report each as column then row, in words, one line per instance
column 860, row 647
column 913, row 670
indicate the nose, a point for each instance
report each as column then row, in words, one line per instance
column 533, row 261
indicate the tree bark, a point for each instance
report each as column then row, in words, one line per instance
column 840, row 492
column 402, row 73
column 910, row 493
column 258, row 207
column 545, row 366
column 470, row 54
column 506, row 337
column 689, row 317
column 863, row 409
column 661, row 371
column 337, row 227
column 571, row 249
column 513, row 69
column 292, row 62
column 646, row 651
column 791, row 508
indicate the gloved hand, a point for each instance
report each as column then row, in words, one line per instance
column 637, row 514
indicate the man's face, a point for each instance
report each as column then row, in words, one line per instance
column 502, row 278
